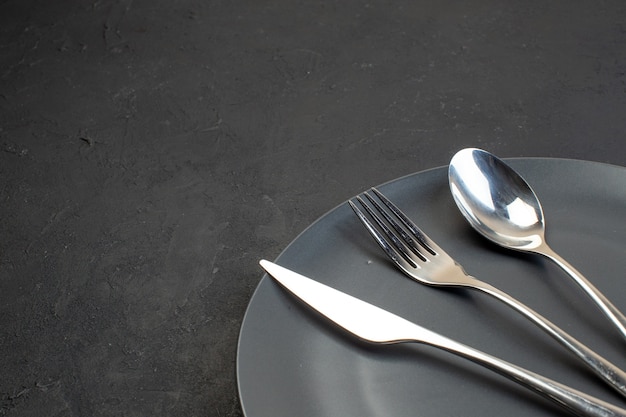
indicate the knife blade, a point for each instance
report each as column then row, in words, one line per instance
column 374, row 324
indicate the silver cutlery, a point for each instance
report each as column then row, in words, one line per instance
column 501, row 206
column 373, row 324
column 413, row 252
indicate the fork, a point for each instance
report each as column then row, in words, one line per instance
column 411, row 250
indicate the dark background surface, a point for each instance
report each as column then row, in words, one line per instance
column 152, row 151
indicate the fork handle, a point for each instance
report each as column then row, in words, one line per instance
column 601, row 366
column 575, row 401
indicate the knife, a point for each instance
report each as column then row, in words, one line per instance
column 375, row 325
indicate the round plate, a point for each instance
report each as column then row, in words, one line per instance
column 291, row 362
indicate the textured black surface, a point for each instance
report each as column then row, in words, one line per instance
column 152, row 151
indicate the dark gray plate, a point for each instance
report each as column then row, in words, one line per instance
column 290, row 362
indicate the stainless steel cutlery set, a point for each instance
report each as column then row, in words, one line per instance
column 500, row 205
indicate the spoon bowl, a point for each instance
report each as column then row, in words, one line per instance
column 496, row 201
column 500, row 205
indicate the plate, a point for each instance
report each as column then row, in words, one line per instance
column 290, row 362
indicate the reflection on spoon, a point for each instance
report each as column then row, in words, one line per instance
column 501, row 206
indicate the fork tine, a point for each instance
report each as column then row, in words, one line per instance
column 380, row 238
column 406, row 246
column 410, row 242
column 424, row 240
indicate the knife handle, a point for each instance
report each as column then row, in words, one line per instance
column 579, row 403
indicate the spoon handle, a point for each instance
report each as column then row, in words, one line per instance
column 610, row 311
column 601, row 366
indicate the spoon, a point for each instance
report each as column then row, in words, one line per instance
column 500, row 205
